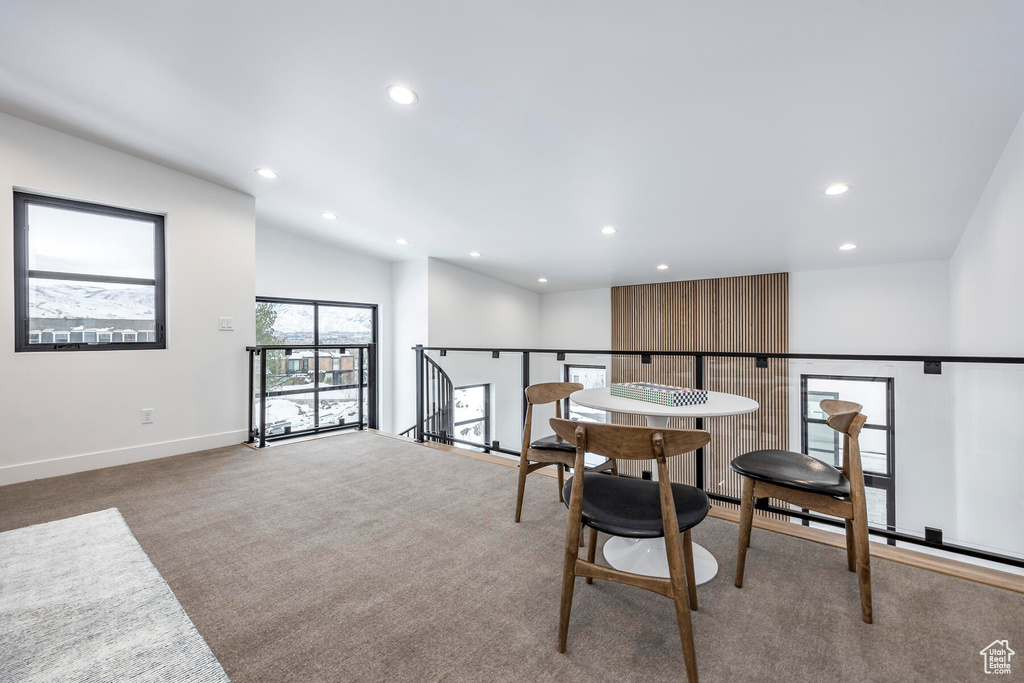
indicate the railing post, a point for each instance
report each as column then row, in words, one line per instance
column 698, row 381
column 526, row 382
column 250, row 438
column 372, row 420
column 263, row 398
column 360, row 371
column 419, row 393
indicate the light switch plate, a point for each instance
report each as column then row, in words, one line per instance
column 227, row 324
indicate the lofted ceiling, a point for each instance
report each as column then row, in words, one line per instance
column 705, row 132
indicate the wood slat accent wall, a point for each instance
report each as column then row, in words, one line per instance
column 749, row 314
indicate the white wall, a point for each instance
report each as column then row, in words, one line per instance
column 467, row 308
column 67, row 412
column 289, row 265
column 577, row 320
column 409, row 287
column 986, row 276
column 890, row 309
column 987, row 318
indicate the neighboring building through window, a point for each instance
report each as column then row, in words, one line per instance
column 473, row 413
column 87, row 277
column 877, row 439
column 591, row 377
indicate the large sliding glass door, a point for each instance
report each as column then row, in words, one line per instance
column 323, row 386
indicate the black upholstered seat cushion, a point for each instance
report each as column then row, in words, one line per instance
column 623, row 506
column 793, row 470
column 553, row 443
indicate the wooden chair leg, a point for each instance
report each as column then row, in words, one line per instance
column 572, row 544
column 860, row 530
column 523, row 463
column 615, row 468
column 746, row 523
column 851, row 550
column 592, row 550
column 678, row 575
column 691, row 581
column 561, row 481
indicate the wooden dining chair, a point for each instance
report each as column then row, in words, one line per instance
column 550, row 450
column 805, row 481
column 634, row 508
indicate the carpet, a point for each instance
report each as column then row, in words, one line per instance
column 364, row 558
column 80, row 601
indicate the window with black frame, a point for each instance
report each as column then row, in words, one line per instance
column 877, row 438
column 311, row 390
column 591, row 377
column 473, row 413
column 88, row 277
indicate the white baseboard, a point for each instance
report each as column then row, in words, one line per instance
column 55, row 467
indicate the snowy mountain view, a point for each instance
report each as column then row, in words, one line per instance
column 74, row 300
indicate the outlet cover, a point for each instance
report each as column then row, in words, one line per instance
column 147, row 416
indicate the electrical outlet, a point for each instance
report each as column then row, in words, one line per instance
column 147, row 416
column 227, row 324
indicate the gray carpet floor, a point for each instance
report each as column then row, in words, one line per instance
column 365, row 558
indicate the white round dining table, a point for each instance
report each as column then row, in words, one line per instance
column 647, row 556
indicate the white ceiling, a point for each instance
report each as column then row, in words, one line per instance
column 704, row 131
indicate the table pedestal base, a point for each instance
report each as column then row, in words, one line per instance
column 647, row 556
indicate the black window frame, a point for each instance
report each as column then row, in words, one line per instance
column 885, row 482
column 22, row 273
column 566, row 377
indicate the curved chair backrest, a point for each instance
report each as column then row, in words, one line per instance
column 845, row 417
column 623, row 442
column 550, row 392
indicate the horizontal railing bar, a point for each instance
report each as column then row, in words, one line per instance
column 323, row 388
column 313, row 430
column 741, row 354
column 306, row 347
column 884, row 533
column 475, row 444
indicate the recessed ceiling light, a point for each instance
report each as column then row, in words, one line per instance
column 266, row 173
column 608, row 230
column 542, row 279
column 475, row 254
column 402, row 241
column 836, row 188
column 848, row 246
column 329, row 216
column 662, row 267
column 401, row 94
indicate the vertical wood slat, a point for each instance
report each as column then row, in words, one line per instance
column 746, row 314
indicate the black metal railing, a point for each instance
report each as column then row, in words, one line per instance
column 929, row 364
column 323, row 398
column 435, row 401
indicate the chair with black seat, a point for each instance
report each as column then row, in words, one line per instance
column 634, row 508
column 805, row 481
column 550, row 450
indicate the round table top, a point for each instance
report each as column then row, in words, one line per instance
column 718, row 405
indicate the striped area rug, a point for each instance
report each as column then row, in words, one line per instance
column 81, row 601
